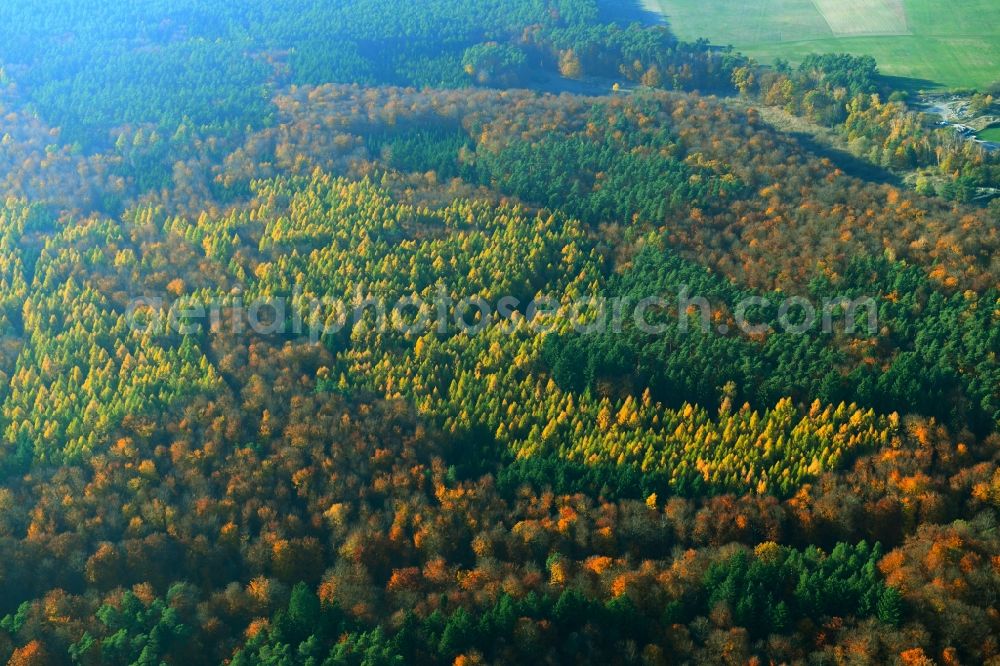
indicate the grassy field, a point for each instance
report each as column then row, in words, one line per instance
column 991, row 134
column 939, row 44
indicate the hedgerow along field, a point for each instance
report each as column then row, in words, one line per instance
column 947, row 45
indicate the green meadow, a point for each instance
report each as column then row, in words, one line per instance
column 939, row 44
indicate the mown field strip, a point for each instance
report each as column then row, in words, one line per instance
column 864, row 17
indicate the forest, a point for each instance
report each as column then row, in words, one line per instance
column 521, row 485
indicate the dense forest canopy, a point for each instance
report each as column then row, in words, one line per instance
column 216, row 448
